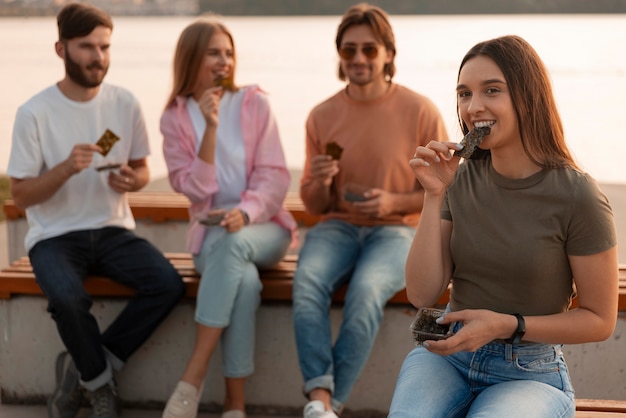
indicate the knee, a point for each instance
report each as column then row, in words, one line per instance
column 69, row 305
column 171, row 283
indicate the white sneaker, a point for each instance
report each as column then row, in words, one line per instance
column 316, row 409
column 183, row 403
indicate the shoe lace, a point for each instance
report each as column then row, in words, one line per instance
column 103, row 403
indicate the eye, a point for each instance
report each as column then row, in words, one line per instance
column 492, row 90
column 347, row 52
column 464, row 94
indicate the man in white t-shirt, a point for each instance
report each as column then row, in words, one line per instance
column 78, row 147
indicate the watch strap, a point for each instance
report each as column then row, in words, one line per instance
column 519, row 332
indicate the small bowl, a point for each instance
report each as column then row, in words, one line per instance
column 425, row 327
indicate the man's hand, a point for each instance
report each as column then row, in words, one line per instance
column 80, row 157
column 324, row 168
column 124, row 180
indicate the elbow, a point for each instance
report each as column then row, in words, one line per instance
column 605, row 332
column 19, row 199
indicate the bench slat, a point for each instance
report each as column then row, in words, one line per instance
column 600, row 405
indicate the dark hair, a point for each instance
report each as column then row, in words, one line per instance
column 528, row 81
column 190, row 52
column 378, row 21
column 78, row 19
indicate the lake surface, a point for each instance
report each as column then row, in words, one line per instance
column 294, row 60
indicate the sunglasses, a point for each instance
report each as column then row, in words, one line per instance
column 348, row 52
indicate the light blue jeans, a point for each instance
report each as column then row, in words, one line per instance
column 229, row 292
column 498, row 380
column 372, row 260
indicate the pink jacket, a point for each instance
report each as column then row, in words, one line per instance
column 267, row 175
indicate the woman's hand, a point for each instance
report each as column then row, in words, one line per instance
column 480, row 326
column 434, row 165
column 233, row 220
column 209, row 104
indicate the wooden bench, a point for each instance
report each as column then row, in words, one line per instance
column 18, row 277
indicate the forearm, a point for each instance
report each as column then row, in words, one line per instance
column 142, row 177
column 316, row 197
column 576, row 326
column 404, row 203
column 32, row 191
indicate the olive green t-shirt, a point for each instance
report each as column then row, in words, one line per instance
column 511, row 238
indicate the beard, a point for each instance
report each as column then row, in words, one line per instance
column 81, row 76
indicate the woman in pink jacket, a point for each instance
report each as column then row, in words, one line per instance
column 223, row 151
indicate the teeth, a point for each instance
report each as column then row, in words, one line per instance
column 484, row 123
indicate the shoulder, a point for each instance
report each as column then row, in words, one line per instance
column 118, row 93
column 411, row 97
column 330, row 104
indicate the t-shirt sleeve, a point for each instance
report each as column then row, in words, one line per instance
column 592, row 225
column 26, row 158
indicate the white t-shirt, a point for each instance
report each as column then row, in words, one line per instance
column 46, row 128
column 230, row 153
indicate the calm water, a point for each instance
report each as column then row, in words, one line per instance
column 293, row 59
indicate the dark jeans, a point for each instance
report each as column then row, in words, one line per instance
column 62, row 263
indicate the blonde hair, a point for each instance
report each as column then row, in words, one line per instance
column 190, row 52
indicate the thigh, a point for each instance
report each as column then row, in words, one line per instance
column 532, row 399
column 429, row 386
column 133, row 261
column 328, row 255
column 61, row 265
column 380, row 266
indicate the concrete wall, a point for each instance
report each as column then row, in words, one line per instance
column 30, row 344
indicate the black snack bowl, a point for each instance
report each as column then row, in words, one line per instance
column 425, row 327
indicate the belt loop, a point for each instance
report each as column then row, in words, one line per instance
column 508, row 352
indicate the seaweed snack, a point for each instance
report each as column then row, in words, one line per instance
column 213, row 218
column 425, row 327
column 111, row 166
column 334, row 150
column 224, row 82
column 471, row 140
column 106, row 142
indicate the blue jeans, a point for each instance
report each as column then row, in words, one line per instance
column 230, row 289
column 372, row 260
column 62, row 263
column 498, row 380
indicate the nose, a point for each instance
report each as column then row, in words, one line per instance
column 224, row 58
column 99, row 54
column 359, row 56
column 476, row 104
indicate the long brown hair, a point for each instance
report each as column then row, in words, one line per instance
column 190, row 52
column 540, row 126
column 378, row 21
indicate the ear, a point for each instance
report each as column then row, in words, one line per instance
column 390, row 55
column 59, row 47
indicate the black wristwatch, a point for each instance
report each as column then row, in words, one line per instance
column 519, row 332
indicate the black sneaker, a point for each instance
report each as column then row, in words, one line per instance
column 104, row 402
column 68, row 395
